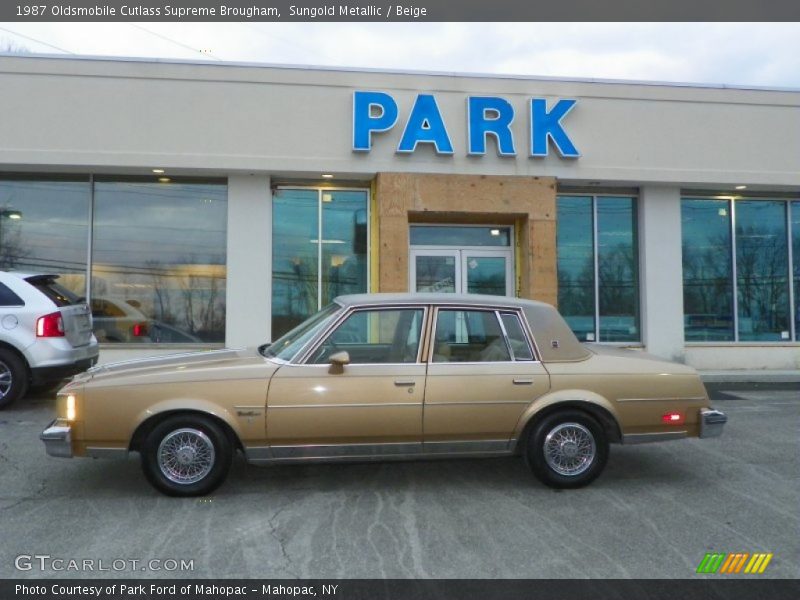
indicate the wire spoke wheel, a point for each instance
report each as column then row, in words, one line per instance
column 186, row 456
column 569, row 449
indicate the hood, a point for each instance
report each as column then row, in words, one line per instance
column 184, row 366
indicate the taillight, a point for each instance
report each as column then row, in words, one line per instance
column 51, row 325
column 140, row 330
column 672, row 418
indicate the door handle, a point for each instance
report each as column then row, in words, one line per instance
column 525, row 381
column 404, row 382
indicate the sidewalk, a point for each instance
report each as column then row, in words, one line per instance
column 757, row 378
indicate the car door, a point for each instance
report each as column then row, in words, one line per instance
column 369, row 407
column 482, row 375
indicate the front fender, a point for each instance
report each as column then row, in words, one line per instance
column 573, row 398
column 186, row 405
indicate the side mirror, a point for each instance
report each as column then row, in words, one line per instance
column 338, row 360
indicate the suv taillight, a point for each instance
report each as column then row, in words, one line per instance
column 51, row 325
column 140, row 330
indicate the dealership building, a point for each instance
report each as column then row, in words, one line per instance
column 201, row 204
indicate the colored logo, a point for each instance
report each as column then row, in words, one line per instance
column 735, row 562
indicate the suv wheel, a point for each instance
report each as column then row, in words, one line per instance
column 567, row 449
column 187, row 455
column 13, row 378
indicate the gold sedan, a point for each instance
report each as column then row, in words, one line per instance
column 380, row 377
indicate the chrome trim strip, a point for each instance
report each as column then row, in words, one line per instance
column 467, row 447
column 249, row 407
column 346, row 450
column 367, row 405
column 646, row 438
column 693, row 399
column 505, row 335
column 377, row 452
column 96, row 452
column 468, row 403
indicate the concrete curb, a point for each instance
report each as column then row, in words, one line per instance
column 751, row 377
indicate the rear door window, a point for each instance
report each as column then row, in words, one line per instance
column 8, row 297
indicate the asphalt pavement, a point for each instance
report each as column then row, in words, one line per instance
column 654, row 513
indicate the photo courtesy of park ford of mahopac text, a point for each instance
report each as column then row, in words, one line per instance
column 420, row 300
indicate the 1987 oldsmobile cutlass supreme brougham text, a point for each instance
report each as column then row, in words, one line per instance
column 378, row 377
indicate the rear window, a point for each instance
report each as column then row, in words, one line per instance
column 60, row 295
column 9, row 298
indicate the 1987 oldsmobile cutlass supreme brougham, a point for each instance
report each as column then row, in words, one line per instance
column 377, row 377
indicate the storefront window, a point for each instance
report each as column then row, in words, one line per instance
column 319, row 251
column 44, row 228
column 598, row 286
column 576, row 300
column 760, row 261
column 707, row 270
column 617, row 269
column 795, row 208
column 159, row 261
column 762, row 270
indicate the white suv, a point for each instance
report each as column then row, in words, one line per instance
column 45, row 334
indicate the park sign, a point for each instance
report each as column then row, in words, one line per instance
column 487, row 116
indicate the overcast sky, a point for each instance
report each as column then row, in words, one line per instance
column 765, row 54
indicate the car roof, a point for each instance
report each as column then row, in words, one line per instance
column 436, row 298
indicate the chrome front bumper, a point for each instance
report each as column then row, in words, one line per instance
column 57, row 439
column 712, row 422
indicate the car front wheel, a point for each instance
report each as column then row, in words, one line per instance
column 567, row 449
column 186, row 455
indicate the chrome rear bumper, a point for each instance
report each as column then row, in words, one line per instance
column 57, row 439
column 712, row 422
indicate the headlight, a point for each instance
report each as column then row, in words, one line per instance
column 70, row 413
column 67, row 405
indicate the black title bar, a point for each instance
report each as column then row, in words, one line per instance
column 394, row 11
column 711, row 588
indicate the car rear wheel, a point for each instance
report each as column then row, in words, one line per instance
column 13, row 378
column 567, row 449
column 187, row 455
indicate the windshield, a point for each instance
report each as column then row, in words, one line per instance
column 288, row 345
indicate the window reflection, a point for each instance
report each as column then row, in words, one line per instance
column 159, row 262
column 762, row 270
column 44, row 228
column 707, row 271
column 617, row 267
column 295, row 259
column 617, row 260
column 309, row 272
column 576, row 264
column 796, row 266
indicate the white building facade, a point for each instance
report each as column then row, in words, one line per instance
column 195, row 205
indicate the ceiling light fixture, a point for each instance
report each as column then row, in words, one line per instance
column 741, row 187
column 158, row 171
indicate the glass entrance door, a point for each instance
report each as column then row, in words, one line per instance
column 482, row 264
column 486, row 272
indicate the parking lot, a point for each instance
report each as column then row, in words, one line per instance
column 655, row 512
